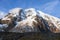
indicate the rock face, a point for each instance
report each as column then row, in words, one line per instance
column 30, row 20
column 14, row 13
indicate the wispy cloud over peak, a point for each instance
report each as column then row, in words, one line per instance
column 49, row 7
column 2, row 14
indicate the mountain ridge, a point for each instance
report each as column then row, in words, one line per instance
column 30, row 20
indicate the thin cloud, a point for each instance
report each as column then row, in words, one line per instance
column 2, row 14
column 49, row 7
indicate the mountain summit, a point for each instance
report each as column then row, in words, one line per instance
column 29, row 20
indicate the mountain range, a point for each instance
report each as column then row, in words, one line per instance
column 29, row 20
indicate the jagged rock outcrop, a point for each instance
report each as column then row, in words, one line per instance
column 30, row 20
column 12, row 17
column 14, row 13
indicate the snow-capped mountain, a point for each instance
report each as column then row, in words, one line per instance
column 30, row 20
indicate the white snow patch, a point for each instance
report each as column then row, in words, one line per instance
column 49, row 17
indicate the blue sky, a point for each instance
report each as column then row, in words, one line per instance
column 51, row 7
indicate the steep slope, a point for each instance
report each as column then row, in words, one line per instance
column 52, row 21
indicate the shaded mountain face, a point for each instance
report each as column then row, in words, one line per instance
column 29, row 20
